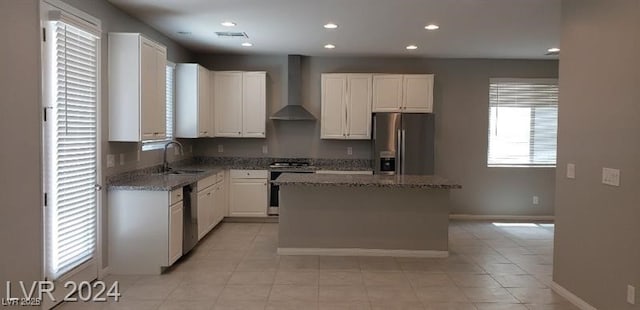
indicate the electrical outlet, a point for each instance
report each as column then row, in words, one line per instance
column 571, row 171
column 265, row 149
column 536, row 200
column 121, row 159
column 631, row 294
column 111, row 160
column 349, row 150
column 611, row 176
column 220, row 148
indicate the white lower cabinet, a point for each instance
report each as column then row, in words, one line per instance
column 205, row 204
column 145, row 230
column 176, row 215
column 211, row 203
column 248, row 193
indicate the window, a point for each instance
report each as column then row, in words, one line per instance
column 170, row 104
column 71, row 67
column 523, row 122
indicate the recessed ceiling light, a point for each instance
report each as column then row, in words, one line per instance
column 330, row 46
column 184, row 32
column 432, row 27
column 330, row 26
column 228, row 24
column 553, row 50
column 247, row 44
column 412, row 47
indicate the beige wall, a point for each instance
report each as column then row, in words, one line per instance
column 461, row 108
column 597, row 226
column 20, row 181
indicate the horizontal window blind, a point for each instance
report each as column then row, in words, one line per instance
column 523, row 122
column 71, row 149
column 170, row 104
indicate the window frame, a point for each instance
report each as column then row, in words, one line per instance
column 539, row 81
column 159, row 144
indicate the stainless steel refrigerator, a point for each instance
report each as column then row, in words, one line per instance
column 403, row 143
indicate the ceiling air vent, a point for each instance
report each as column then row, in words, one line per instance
column 228, row 34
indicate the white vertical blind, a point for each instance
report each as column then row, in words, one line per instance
column 71, row 149
column 523, row 122
column 170, row 104
column 171, row 72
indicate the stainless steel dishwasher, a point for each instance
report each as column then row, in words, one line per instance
column 190, row 224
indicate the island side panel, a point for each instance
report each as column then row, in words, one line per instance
column 337, row 217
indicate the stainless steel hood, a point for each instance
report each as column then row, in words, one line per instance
column 293, row 111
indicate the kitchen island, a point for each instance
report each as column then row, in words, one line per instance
column 370, row 215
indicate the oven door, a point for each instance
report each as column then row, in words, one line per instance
column 274, row 191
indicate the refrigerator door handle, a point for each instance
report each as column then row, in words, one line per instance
column 399, row 154
column 402, row 152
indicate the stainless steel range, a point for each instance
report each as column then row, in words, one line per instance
column 278, row 168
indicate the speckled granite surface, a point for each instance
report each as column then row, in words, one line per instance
column 151, row 179
column 264, row 162
column 398, row 181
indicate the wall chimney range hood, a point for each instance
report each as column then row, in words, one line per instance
column 293, row 111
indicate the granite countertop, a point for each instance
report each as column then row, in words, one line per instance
column 397, row 181
column 160, row 181
column 151, row 179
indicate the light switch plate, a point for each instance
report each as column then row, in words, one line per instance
column 631, row 294
column 571, row 171
column 536, row 200
column 265, row 149
column 111, row 160
column 220, row 148
column 349, row 150
column 611, row 176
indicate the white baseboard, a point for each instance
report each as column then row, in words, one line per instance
column 571, row 297
column 474, row 217
column 362, row 252
column 104, row 272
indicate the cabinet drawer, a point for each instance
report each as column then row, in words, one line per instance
column 219, row 176
column 249, row 174
column 175, row 196
column 206, row 182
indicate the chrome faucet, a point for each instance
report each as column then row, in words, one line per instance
column 165, row 164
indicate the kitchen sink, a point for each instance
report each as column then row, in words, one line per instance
column 182, row 171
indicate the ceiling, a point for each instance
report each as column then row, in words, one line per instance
column 522, row 29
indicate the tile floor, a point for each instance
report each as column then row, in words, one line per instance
column 236, row 267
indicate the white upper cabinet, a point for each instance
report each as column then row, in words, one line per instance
column 359, row 95
column 409, row 93
column 193, row 103
column 346, row 106
column 387, row 92
column 333, row 119
column 240, row 104
column 418, row 93
column 254, row 104
column 137, row 88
